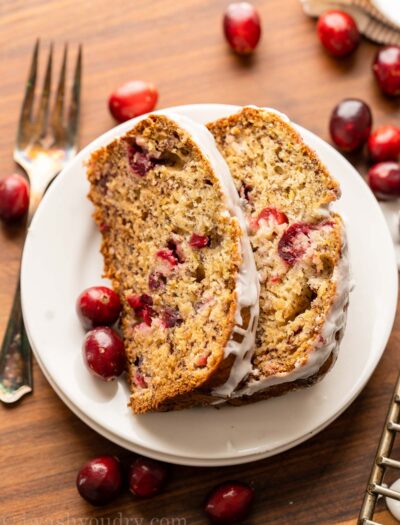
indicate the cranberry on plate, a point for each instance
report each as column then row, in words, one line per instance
column 386, row 68
column 229, row 503
column 384, row 143
column 98, row 305
column 147, row 477
column 132, row 99
column 242, row 27
column 384, row 179
column 338, row 32
column 350, row 124
column 14, row 197
column 99, row 481
column 104, row 353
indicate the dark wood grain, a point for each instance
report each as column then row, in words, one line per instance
column 178, row 45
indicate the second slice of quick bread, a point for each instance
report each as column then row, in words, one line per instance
column 299, row 247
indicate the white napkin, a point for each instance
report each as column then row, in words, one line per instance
column 371, row 22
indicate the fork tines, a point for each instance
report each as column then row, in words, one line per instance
column 36, row 127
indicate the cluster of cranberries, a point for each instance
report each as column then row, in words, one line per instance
column 98, row 309
column 101, row 480
column 350, row 129
column 339, row 34
column 351, row 120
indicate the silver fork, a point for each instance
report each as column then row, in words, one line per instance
column 45, row 143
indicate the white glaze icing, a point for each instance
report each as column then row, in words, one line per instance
column 247, row 283
column 331, row 336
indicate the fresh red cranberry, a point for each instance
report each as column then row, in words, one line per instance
column 147, row 477
column 99, row 481
column 384, row 179
column 14, row 197
column 273, row 214
column 171, row 317
column 384, row 144
column 199, row 241
column 292, row 245
column 104, row 353
column 143, row 307
column 168, row 256
column 338, row 32
column 98, row 306
column 139, row 160
column 157, row 280
column 387, row 69
column 242, row 27
column 350, row 124
column 229, row 503
column 132, row 99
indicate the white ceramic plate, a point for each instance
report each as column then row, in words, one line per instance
column 390, row 9
column 61, row 258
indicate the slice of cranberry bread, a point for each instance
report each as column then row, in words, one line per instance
column 299, row 248
column 175, row 248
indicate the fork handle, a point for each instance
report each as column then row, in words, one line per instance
column 15, row 356
column 15, row 352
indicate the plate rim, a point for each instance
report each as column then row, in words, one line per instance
column 187, row 460
column 223, row 459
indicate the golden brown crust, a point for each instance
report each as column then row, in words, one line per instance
column 205, row 398
column 140, row 215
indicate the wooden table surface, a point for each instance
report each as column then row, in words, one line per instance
column 179, row 46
